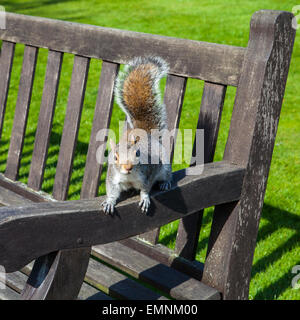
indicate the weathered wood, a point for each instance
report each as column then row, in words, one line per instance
column 101, row 121
column 166, row 256
column 188, row 58
column 22, row 190
column 250, row 142
column 9, row 294
column 42, row 136
column 173, row 99
column 6, row 60
column 71, row 128
column 16, row 280
column 46, row 281
column 118, row 285
column 87, row 292
column 21, row 113
column 9, row 198
column 209, row 121
column 171, row 281
column 57, row 276
column 87, row 225
column 69, row 265
column 210, row 117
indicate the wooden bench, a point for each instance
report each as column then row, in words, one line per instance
column 70, row 241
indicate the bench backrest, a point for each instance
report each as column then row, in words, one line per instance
column 259, row 72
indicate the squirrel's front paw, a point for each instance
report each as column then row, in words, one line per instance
column 108, row 206
column 145, row 203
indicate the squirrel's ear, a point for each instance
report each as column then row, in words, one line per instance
column 112, row 145
column 137, row 139
column 134, row 139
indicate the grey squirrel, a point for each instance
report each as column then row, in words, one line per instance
column 133, row 163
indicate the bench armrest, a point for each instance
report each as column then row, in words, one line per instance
column 35, row 230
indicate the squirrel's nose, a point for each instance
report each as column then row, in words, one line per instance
column 127, row 168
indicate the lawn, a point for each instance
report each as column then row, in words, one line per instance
column 226, row 22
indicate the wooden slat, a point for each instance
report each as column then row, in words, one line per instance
column 101, row 120
column 188, row 58
column 88, row 292
column 166, row 256
column 6, row 60
column 23, row 191
column 71, row 128
column 21, row 112
column 173, row 99
column 14, row 284
column 16, row 280
column 75, row 260
column 44, row 126
column 209, row 120
column 87, row 225
column 118, row 285
column 9, row 294
column 10, row 198
column 171, row 281
column 210, row 116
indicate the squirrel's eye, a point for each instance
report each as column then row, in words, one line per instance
column 138, row 153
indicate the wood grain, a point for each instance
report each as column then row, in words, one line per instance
column 71, row 128
column 187, row 58
column 251, row 140
column 209, row 121
column 21, row 189
column 42, row 136
column 87, row 225
column 6, row 60
column 171, row 281
column 21, row 113
column 167, row 256
column 101, row 121
column 118, row 285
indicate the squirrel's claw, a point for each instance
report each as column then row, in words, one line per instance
column 144, row 204
column 165, row 186
column 108, row 207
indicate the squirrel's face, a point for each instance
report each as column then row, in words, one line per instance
column 126, row 154
column 126, row 160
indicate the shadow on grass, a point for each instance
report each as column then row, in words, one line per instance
column 278, row 218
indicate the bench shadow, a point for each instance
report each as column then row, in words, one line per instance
column 278, row 218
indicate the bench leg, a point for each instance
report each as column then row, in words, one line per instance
column 58, row 275
column 257, row 109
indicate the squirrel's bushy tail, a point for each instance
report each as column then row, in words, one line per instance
column 138, row 94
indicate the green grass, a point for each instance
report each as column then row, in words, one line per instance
column 278, row 245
